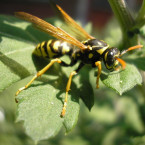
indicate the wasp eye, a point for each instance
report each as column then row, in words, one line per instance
column 110, row 54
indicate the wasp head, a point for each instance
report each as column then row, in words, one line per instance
column 110, row 56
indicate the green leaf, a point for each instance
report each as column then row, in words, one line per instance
column 139, row 62
column 17, row 39
column 41, row 104
column 124, row 80
column 40, row 108
column 12, row 49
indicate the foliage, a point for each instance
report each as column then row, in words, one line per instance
column 114, row 119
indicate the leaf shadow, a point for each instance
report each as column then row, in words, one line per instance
column 80, row 86
column 86, row 90
column 14, row 66
column 62, row 90
column 61, row 79
column 105, row 75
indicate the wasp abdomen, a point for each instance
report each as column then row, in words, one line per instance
column 53, row 49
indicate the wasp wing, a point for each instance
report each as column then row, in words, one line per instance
column 76, row 29
column 50, row 29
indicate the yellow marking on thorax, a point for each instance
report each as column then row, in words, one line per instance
column 89, row 47
column 100, row 51
column 90, row 55
column 85, row 41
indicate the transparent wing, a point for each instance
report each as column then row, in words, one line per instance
column 50, row 29
column 76, row 29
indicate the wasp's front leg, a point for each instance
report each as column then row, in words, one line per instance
column 98, row 64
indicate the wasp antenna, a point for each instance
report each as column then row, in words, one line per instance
column 122, row 62
column 131, row 48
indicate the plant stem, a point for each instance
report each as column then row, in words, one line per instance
column 122, row 13
column 126, row 21
column 140, row 20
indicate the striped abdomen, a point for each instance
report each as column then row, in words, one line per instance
column 53, row 49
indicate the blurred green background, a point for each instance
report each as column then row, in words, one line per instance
column 113, row 120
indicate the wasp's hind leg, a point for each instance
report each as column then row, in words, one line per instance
column 39, row 74
column 73, row 62
column 68, row 88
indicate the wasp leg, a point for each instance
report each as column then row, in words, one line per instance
column 118, row 68
column 39, row 74
column 68, row 88
column 98, row 64
column 73, row 62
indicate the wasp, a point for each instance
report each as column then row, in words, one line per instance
column 88, row 51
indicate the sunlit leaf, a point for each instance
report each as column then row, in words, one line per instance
column 124, row 80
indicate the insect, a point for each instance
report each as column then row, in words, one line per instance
column 87, row 51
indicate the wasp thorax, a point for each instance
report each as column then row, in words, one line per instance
column 95, row 43
column 109, row 58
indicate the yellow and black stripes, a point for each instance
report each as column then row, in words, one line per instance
column 97, row 50
column 53, row 49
